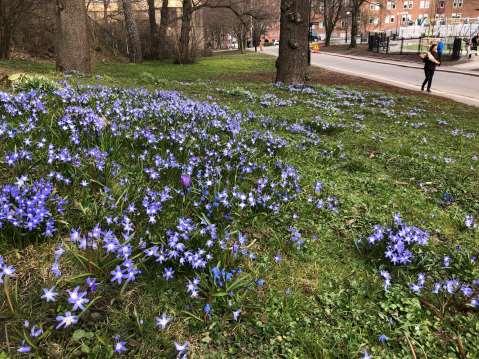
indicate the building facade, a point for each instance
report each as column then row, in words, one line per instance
column 403, row 17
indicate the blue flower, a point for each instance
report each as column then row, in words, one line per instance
column 49, row 294
column 162, row 322
column 66, row 320
column 120, row 345
column 77, row 298
column 182, row 349
column 24, row 348
column 383, row 338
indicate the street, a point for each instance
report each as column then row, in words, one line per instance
column 459, row 87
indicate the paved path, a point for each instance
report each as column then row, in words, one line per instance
column 459, row 87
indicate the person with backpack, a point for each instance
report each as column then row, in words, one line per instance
column 431, row 60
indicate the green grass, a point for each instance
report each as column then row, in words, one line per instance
column 327, row 299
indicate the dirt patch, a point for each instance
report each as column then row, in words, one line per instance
column 319, row 76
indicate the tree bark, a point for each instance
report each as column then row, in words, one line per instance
column 5, row 41
column 163, row 33
column 6, row 28
column 355, row 10
column 184, row 52
column 292, row 63
column 327, row 40
column 106, row 3
column 72, row 41
column 153, row 29
column 133, row 36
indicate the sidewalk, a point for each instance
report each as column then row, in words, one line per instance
column 463, row 69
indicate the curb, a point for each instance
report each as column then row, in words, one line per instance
column 386, row 62
column 470, row 101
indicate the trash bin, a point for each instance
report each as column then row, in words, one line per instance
column 456, row 49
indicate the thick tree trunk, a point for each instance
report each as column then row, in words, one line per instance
column 153, row 29
column 163, row 33
column 5, row 32
column 5, row 41
column 133, row 36
column 327, row 40
column 292, row 63
column 72, row 41
column 184, row 52
column 354, row 25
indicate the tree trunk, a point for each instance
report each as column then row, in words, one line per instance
column 133, row 36
column 163, row 33
column 5, row 41
column 72, row 41
column 153, row 29
column 106, row 3
column 327, row 40
column 5, row 33
column 185, row 56
column 354, row 25
column 292, row 63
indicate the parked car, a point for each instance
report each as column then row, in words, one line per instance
column 276, row 42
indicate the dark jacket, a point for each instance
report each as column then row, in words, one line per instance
column 431, row 65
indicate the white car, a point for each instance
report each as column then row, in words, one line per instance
column 276, row 43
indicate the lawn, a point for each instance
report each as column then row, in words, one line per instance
column 205, row 206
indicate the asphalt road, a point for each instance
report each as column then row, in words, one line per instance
column 459, row 87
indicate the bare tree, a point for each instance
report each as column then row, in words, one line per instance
column 11, row 13
column 292, row 63
column 133, row 36
column 72, row 43
column 106, row 4
column 331, row 11
column 163, row 33
column 355, row 16
column 153, row 29
column 185, row 55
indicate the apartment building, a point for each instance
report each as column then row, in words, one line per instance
column 389, row 15
column 394, row 15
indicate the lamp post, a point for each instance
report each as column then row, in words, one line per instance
column 347, row 26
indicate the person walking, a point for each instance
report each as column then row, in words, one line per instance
column 431, row 60
column 474, row 42
column 440, row 49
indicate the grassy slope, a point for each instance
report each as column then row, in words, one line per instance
column 325, row 300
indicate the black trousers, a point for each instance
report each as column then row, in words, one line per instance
column 429, row 72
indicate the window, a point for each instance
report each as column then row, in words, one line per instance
column 442, row 4
column 424, row 4
column 456, row 15
column 457, row 3
column 406, row 19
column 390, row 5
column 321, row 24
column 408, row 4
column 422, row 19
column 374, row 20
column 374, row 7
column 389, row 19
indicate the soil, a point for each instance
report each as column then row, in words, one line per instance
column 319, row 76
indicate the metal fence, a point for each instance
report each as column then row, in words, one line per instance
column 381, row 43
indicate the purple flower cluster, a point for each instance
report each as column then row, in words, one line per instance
column 160, row 180
column 6, row 270
column 399, row 240
column 29, row 206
